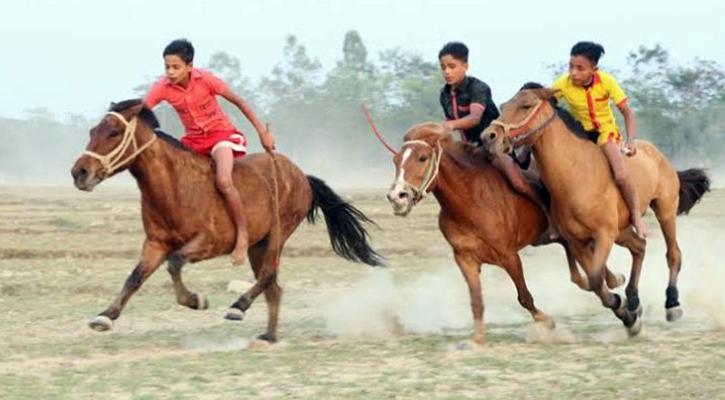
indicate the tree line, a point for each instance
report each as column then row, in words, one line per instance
column 316, row 115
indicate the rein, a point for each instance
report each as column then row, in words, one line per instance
column 433, row 167
column 431, row 172
column 375, row 130
column 113, row 160
column 515, row 131
column 278, row 224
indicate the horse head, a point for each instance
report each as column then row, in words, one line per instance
column 416, row 166
column 113, row 144
column 521, row 122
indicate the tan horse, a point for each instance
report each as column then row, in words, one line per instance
column 185, row 218
column 482, row 217
column 586, row 204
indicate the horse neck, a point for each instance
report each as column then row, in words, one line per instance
column 452, row 183
column 561, row 157
column 164, row 172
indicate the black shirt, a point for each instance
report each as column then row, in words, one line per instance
column 470, row 90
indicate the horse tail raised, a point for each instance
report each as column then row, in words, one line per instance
column 348, row 237
column 694, row 183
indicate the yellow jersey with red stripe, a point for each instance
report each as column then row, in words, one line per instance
column 591, row 105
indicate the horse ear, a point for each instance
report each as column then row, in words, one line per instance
column 545, row 93
column 133, row 111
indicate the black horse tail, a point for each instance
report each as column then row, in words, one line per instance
column 348, row 237
column 694, row 183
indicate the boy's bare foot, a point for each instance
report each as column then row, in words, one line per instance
column 239, row 254
column 551, row 231
column 640, row 228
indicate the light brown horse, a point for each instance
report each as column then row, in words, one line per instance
column 482, row 217
column 586, row 204
column 185, row 219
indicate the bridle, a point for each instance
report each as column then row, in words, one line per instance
column 113, row 160
column 516, row 133
column 431, row 173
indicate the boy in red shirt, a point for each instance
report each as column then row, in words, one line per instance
column 192, row 93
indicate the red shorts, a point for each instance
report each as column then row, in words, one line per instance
column 207, row 144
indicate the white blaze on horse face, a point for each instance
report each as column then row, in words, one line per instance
column 401, row 174
column 398, row 201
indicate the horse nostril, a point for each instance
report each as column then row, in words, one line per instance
column 492, row 136
column 402, row 195
column 389, row 197
column 81, row 173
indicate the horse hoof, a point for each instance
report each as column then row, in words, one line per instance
column 234, row 314
column 267, row 337
column 638, row 311
column 201, row 302
column 635, row 328
column 101, row 323
column 674, row 313
column 547, row 323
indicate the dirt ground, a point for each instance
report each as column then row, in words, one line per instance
column 346, row 330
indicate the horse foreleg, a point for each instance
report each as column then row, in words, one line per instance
column 592, row 259
column 574, row 275
column 152, row 255
column 613, row 280
column 636, row 246
column 471, row 270
column 513, row 267
column 193, row 250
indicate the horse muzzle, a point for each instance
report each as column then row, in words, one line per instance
column 496, row 142
column 401, row 199
column 85, row 176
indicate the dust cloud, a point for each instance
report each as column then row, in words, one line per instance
column 383, row 303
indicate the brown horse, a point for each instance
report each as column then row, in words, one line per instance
column 482, row 217
column 586, row 204
column 185, row 219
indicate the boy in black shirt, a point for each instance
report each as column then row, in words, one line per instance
column 469, row 109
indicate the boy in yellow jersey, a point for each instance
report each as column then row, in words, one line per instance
column 587, row 91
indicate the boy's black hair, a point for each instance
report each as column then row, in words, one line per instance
column 592, row 51
column 457, row 50
column 181, row 48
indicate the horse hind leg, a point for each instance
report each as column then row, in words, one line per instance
column 262, row 261
column 666, row 213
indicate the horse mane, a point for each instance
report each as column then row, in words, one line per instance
column 149, row 118
column 571, row 123
column 468, row 155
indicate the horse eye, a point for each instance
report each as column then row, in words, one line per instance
column 526, row 106
column 423, row 159
column 114, row 133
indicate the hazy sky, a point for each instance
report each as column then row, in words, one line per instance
column 75, row 56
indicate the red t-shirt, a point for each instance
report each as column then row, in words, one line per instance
column 197, row 106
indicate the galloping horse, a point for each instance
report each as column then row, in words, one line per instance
column 482, row 217
column 589, row 209
column 185, row 218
